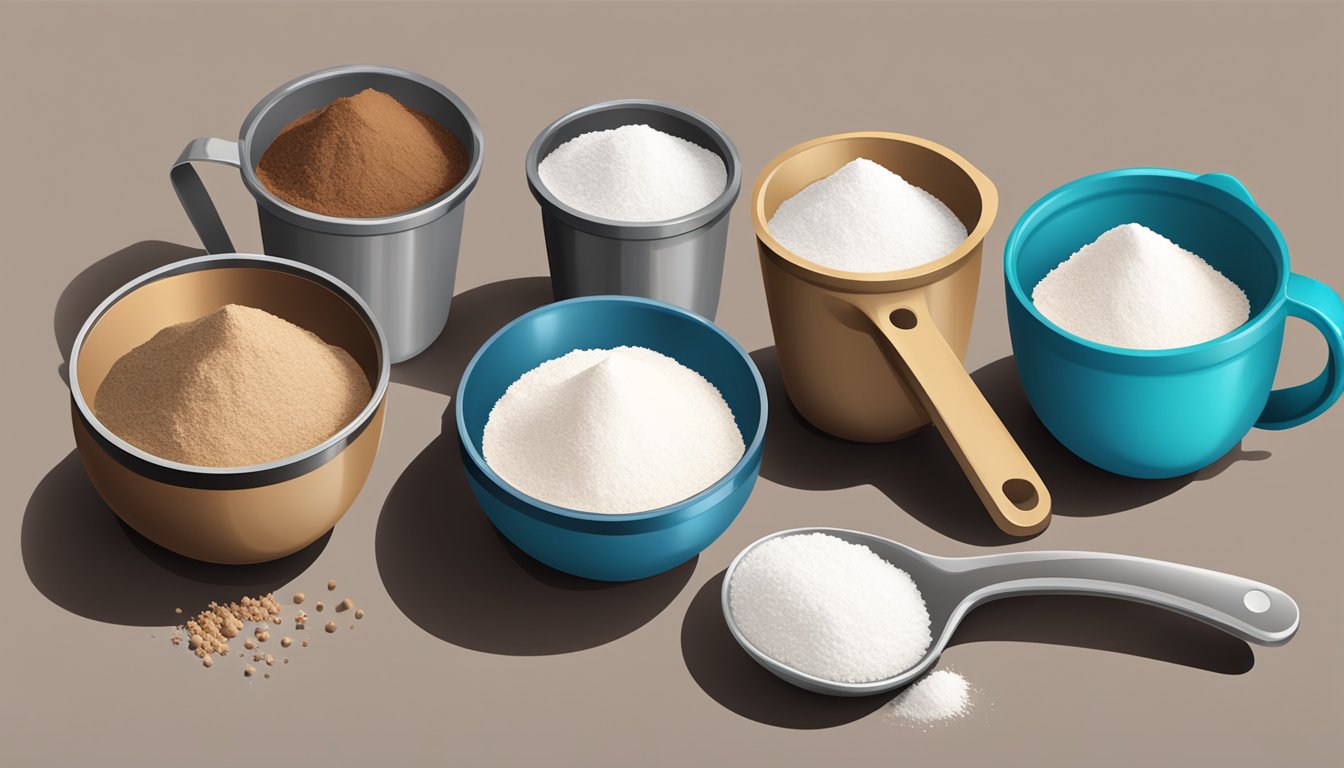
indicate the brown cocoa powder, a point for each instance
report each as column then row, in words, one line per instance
column 362, row 156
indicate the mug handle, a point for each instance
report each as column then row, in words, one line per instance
column 193, row 195
column 1003, row 478
column 1318, row 304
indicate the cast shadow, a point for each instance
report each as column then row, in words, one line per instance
column 1078, row 488
column 83, row 294
column 474, row 317
column 729, row 676
column 451, row 573
column 80, row 556
column 445, row 565
column 732, row 678
column 920, row 475
column 1107, row 624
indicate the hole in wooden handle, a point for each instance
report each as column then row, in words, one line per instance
column 1021, row 493
column 904, row 319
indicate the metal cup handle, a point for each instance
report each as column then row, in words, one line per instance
column 193, row 195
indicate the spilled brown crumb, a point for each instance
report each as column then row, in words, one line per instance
column 208, row 633
column 211, row 629
column 331, row 585
column 319, row 606
column 299, row 597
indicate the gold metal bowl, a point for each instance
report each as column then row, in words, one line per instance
column 229, row 515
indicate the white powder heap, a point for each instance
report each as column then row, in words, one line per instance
column 864, row 218
column 942, row 695
column 1134, row 288
column 832, row 609
column 612, row 430
column 633, row 173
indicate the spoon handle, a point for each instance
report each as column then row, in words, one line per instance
column 1009, row 487
column 1248, row 609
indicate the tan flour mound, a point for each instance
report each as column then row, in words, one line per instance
column 237, row 387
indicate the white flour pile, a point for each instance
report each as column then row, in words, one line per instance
column 612, row 430
column 829, row 608
column 1134, row 288
column 942, row 695
column 633, row 173
column 864, row 218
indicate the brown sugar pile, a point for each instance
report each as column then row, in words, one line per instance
column 360, row 156
column 210, row 631
column 235, row 388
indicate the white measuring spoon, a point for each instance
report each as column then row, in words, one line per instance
column 952, row 586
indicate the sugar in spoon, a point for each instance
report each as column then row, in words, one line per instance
column 953, row 586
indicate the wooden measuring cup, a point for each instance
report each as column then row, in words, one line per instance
column 874, row 357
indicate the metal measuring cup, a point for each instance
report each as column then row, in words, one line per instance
column 403, row 265
column 679, row 261
column 873, row 357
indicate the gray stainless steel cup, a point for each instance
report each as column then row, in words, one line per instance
column 679, row 261
column 403, row 265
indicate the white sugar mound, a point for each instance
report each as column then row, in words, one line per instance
column 832, row 609
column 633, row 173
column 1134, row 288
column 612, row 430
column 942, row 695
column 864, row 218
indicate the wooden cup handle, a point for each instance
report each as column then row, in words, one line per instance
column 1007, row 484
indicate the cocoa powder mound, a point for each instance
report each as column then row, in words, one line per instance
column 362, row 156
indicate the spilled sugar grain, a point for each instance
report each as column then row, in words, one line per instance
column 613, row 431
column 633, row 173
column 864, row 218
column 939, row 696
column 1134, row 288
column 832, row 609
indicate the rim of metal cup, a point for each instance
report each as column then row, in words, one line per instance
column 374, row 225
column 230, row 478
column 638, row 230
column 623, row 523
column 1189, row 356
column 876, row 282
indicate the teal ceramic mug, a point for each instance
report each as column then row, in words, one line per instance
column 1164, row 413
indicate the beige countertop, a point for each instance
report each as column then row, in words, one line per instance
column 469, row 653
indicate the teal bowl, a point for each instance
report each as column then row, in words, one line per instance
column 598, row 546
column 1168, row 412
